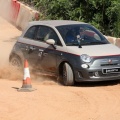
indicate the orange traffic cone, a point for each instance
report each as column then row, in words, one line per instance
column 26, row 87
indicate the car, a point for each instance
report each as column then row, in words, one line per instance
column 73, row 51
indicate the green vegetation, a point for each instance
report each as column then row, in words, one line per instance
column 103, row 14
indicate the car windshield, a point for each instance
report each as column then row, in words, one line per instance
column 81, row 34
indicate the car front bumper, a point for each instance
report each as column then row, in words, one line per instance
column 94, row 75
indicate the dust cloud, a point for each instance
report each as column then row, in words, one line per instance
column 5, row 9
column 8, row 37
column 7, row 33
column 44, row 78
column 14, row 74
column 10, row 73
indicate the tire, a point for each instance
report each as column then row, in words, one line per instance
column 68, row 76
column 15, row 61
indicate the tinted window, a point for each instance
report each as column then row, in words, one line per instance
column 31, row 32
column 83, row 34
column 44, row 33
column 41, row 33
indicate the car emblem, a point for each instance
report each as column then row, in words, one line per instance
column 109, row 61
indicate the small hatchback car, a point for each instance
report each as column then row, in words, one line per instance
column 71, row 50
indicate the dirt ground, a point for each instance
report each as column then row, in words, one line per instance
column 51, row 101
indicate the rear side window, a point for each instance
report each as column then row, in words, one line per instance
column 31, row 32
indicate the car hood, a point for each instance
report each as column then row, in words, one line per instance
column 95, row 50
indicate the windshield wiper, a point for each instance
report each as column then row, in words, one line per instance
column 93, row 43
column 72, row 44
column 97, row 42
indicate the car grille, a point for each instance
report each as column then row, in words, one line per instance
column 107, row 61
column 100, row 74
column 110, row 74
column 104, row 63
column 109, row 64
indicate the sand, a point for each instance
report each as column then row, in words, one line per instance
column 51, row 101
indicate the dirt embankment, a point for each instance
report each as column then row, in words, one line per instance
column 51, row 101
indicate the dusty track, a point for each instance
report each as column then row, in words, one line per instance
column 51, row 101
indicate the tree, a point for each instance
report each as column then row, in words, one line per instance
column 103, row 14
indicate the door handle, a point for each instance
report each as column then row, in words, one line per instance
column 40, row 50
column 24, row 48
column 32, row 48
column 45, row 54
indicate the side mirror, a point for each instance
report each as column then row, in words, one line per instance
column 50, row 41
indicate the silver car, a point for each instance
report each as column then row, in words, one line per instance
column 74, row 51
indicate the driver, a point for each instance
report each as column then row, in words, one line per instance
column 70, row 37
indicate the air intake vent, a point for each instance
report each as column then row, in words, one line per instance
column 109, row 64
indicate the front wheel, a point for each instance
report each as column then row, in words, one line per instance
column 68, row 76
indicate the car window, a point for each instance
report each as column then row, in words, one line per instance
column 88, row 35
column 41, row 33
column 44, row 33
column 31, row 32
column 81, row 34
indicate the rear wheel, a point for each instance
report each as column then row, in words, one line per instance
column 68, row 76
column 15, row 61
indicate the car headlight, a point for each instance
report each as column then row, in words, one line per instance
column 85, row 58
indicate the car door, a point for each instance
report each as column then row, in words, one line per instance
column 47, row 54
column 40, row 55
column 26, row 44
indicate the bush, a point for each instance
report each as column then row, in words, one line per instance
column 102, row 14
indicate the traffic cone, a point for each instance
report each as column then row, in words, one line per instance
column 26, row 86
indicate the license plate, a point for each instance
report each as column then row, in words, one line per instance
column 111, row 70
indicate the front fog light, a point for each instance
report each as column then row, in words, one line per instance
column 96, row 74
column 84, row 66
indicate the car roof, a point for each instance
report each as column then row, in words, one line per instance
column 56, row 22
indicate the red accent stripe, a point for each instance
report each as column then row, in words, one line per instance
column 106, row 56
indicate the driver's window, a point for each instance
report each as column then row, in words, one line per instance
column 41, row 33
column 44, row 33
